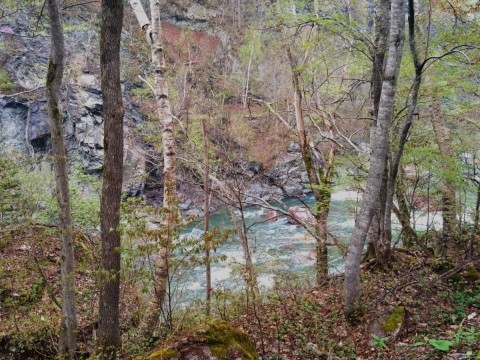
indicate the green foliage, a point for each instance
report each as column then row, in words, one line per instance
column 5, row 82
column 442, row 345
column 379, row 342
column 27, row 194
column 251, row 48
column 464, row 299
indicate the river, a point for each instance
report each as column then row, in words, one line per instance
column 279, row 248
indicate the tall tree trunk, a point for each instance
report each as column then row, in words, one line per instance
column 377, row 162
column 385, row 242
column 382, row 29
column 110, row 35
column 320, row 191
column 449, row 209
column 470, row 249
column 249, row 272
column 206, row 235
column 153, row 36
column 68, row 331
column 402, row 212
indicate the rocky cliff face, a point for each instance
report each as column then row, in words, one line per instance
column 24, row 125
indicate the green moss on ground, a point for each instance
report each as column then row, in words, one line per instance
column 164, row 354
column 394, row 320
column 219, row 338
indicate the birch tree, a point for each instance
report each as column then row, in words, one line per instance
column 378, row 158
column 110, row 35
column 152, row 30
column 68, row 330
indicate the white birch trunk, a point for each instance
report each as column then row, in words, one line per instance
column 153, row 35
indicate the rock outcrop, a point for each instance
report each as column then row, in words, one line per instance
column 215, row 340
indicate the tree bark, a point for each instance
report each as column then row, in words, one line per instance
column 382, row 30
column 449, row 209
column 110, row 35
column 410, row 237
column 320, row 182
column 161, row 277
column 377, row 162
column 68, row 330
column 386, row 235
column 206, row 236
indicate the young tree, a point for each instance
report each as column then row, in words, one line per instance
column 321, row 179
column 68, row 331
column 206, row 236
column 377, row 160
column 110, row 35
column 449, row 208
column 152, row 31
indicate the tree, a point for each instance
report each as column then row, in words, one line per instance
column 152, row 31
column 320, row 179
column 449, row 208
column 380, row 48
column 110, row 35
column 383, row 246
column 377, row 160
column 206, row 236
column 68, row 330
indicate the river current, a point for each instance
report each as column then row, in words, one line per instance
column 279, row 248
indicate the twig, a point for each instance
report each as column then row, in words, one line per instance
column 24, row 92
column 79, row 4
column 148, row 84
column 42, row 274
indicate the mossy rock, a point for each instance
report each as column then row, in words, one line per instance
column 393, row 322
column 441, row 265
column 213, row 340
column 471, row 274
column 390, row 325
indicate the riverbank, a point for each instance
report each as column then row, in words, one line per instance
column 436, row 317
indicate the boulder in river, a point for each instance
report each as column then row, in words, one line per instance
column 298, row 215
column 272, row 215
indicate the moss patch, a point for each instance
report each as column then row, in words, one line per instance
column 216, row 337
column 164, row 354
column 394, row 320
column 471, row 274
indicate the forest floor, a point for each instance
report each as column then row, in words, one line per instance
column 419, row 308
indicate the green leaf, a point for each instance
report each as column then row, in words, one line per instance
column 442, row 345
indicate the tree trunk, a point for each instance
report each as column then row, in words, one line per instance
column 377, row 162
column 386, row 238
column 249, row 272
column 68, row 330
column 382, row 29
column 206, row 236
column 410, row 237
column 449, row 209
column 470, row 249
column 153, row 35
column 110, row 34
column 318, row 189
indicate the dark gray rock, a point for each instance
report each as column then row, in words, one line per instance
column 13, row 123
column 39, row 127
